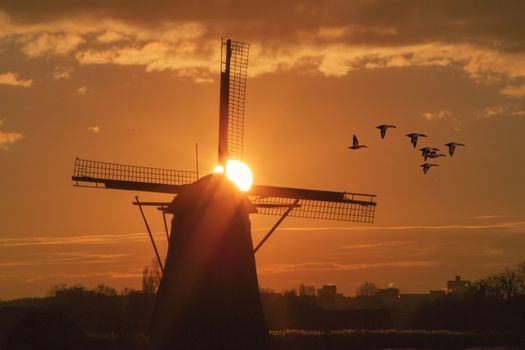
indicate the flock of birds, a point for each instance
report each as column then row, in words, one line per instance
column 426, row 152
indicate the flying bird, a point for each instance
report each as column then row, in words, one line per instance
column 355, row 144
column 435, row 154
column 452, row 147
column 413, row 138
column 383, row 128
column 427, row 166
column 425, row 151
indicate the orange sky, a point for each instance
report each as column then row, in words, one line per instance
column 138, row 84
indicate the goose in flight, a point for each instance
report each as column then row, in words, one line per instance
column 355, row 144
column 435, row 154
column 413, row 138
column 452, row 147
column 425, row 151
column 427, row 166
column 383, row 128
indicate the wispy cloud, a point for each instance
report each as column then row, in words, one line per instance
column 514, row 91
column 500, row 110
column 47, row 44
column 94, row 129
column 11, row 79
column 333, row 266
column 77, row 240
column 63, row 72
column 110, row 36
column 8, row 138
column 77, row 276
column 436, row 115
column 511, row 225
column 69, row 258
column 84, row 90
column 375, row 245
column 487, row 217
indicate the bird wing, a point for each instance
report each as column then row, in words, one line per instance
column 451, row 149
column 383, row 132
column 355, row 142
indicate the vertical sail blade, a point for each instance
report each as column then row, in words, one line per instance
column 234, row 69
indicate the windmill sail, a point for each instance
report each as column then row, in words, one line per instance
column 90, row 173
column 314, row 204
column 234, row 71
column 271, row 200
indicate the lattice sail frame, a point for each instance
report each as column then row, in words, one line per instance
column 316, row 209
column 238, row 72
column 90, row 173
column 339, row 206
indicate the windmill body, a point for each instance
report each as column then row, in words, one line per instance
column 210, row 253
column 210, row 282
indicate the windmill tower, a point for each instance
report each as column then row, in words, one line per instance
column 210, row 245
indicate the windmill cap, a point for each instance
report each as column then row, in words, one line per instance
column 212, row 187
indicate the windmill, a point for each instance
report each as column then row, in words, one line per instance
column 269, row 200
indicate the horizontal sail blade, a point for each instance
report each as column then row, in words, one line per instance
column 89, row 173
column 271, row 200
column 314, row 204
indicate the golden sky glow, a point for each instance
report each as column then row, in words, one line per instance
column 138, row 84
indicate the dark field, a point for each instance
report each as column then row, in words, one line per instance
column 353, row 339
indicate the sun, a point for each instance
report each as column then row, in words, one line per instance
column 238, row 172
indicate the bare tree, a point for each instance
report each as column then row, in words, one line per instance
column 151, row 276
column 366, row 289
column 504, row 285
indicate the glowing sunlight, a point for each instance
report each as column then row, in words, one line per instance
column 238, row 172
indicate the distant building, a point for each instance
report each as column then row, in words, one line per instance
column 329, row 299
column 458, row 286
column 388, row 296
column 306, row 291
column 328, row 290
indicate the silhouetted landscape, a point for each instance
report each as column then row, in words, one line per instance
column 262, row 175
column 486, row 313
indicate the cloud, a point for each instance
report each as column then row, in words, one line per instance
column 7, row 138
column 375, row 245
column 373, row 22
column 94, row 129
column 110, row 37
column 75, row 276
column 506, row 225
column 47, row 44
column 11, row 79
column 347, row 37
column 485, row 217
column 334, row 266
column 514, row 91
column 68, row 258
column 103, row 239
column 84, row 90
column 63, row 72
column 501, row 110
column 437, row 115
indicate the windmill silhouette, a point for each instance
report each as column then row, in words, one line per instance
column 210, row 246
